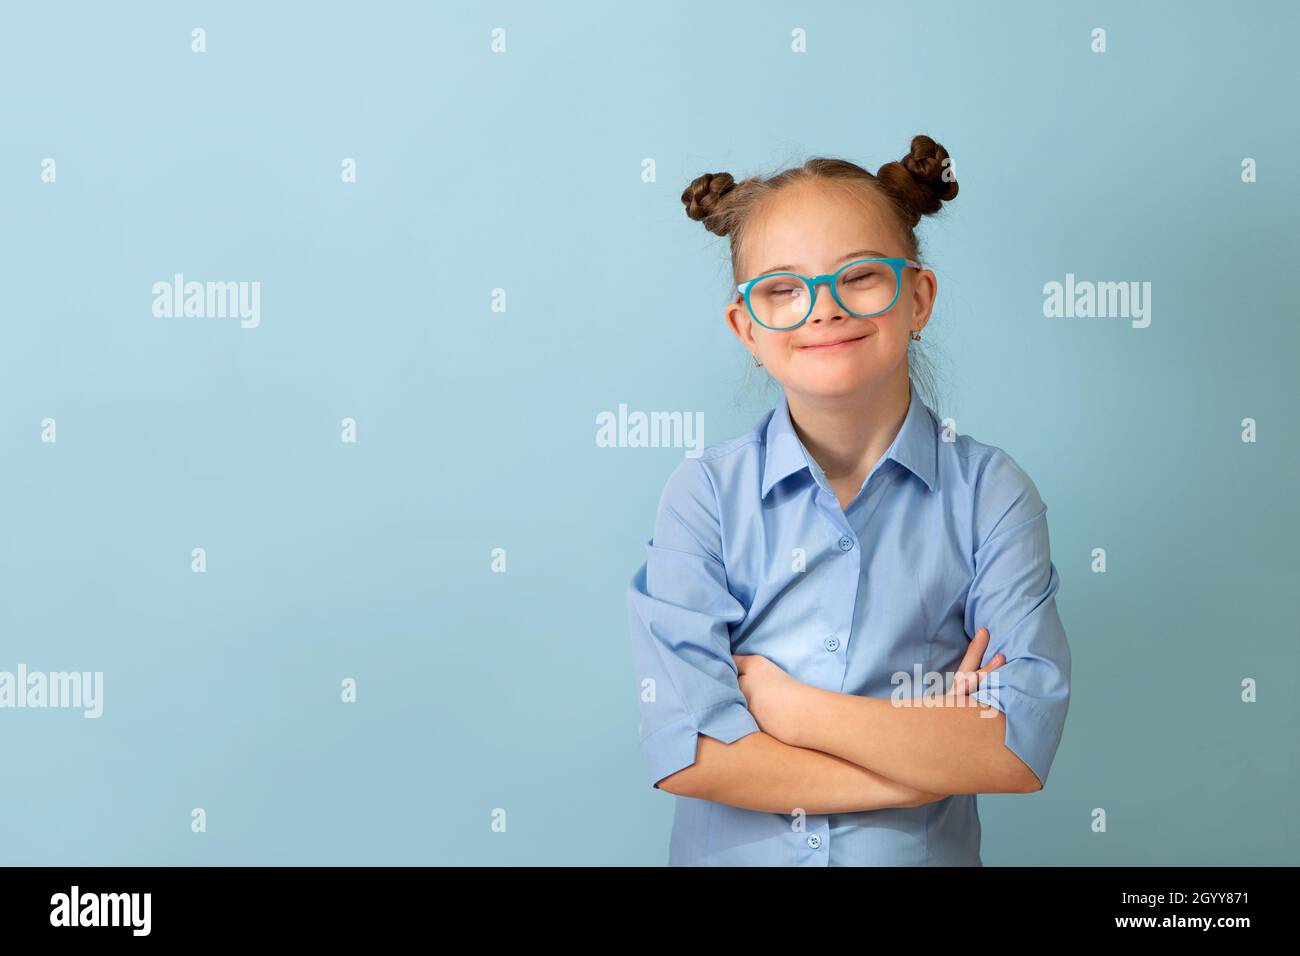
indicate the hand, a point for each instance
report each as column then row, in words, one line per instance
column 773, row 696
column 966, row 682
column 969, row 673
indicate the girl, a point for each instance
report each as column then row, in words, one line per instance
column 818, row 595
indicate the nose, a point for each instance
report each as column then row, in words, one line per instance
column 825, row 308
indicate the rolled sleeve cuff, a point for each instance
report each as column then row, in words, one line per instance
column 672, row 747
column 1031, row 735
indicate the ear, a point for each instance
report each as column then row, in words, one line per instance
column 925, row 289
column 741, row 325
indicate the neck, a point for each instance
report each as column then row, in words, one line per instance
column 847, row 434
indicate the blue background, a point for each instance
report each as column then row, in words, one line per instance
column 476, row 429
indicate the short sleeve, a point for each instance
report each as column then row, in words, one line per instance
column 1013, row 595
column 680, row 612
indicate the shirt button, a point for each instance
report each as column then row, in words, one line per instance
column 814, row 841
column 832, row 644
column 846, row 543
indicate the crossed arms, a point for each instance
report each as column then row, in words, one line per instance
column 836, row 753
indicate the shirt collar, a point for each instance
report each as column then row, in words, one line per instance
column 913, row 447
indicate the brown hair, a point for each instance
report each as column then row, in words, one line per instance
column 916, row 185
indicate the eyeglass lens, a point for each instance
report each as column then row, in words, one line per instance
column 782, row 301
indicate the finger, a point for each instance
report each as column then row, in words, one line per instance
column 963, row 674
column 975, row 651
column 963, row 682
column 966, row 682
column 982, row 674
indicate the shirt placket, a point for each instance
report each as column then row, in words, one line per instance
column 846, row 552
column 812, row 845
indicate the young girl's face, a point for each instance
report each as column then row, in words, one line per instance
column 813, row 230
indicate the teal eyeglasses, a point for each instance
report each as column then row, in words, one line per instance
column 781, row 301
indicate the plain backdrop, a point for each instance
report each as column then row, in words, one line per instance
column 525, row 171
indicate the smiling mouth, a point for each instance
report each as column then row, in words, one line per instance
column 833, row 347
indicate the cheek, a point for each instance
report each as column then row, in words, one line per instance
column 893, row 336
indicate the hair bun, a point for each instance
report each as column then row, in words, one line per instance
column 702, row 197
column 918, row 179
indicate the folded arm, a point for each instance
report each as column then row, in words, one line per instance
column 759, row 772
column 951, row 749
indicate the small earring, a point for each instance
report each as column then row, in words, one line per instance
column 916, row 336
column 757, row 363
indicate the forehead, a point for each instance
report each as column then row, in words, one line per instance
column 810, row 226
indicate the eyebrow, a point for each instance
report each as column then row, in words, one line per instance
column 861, row 253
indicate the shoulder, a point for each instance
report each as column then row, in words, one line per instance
column 719, row 465
column 697, row 485
column 736, row 452
column 1001, row 492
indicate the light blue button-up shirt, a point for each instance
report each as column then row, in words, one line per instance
column 752, row 554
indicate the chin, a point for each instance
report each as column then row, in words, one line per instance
column 830, row 386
